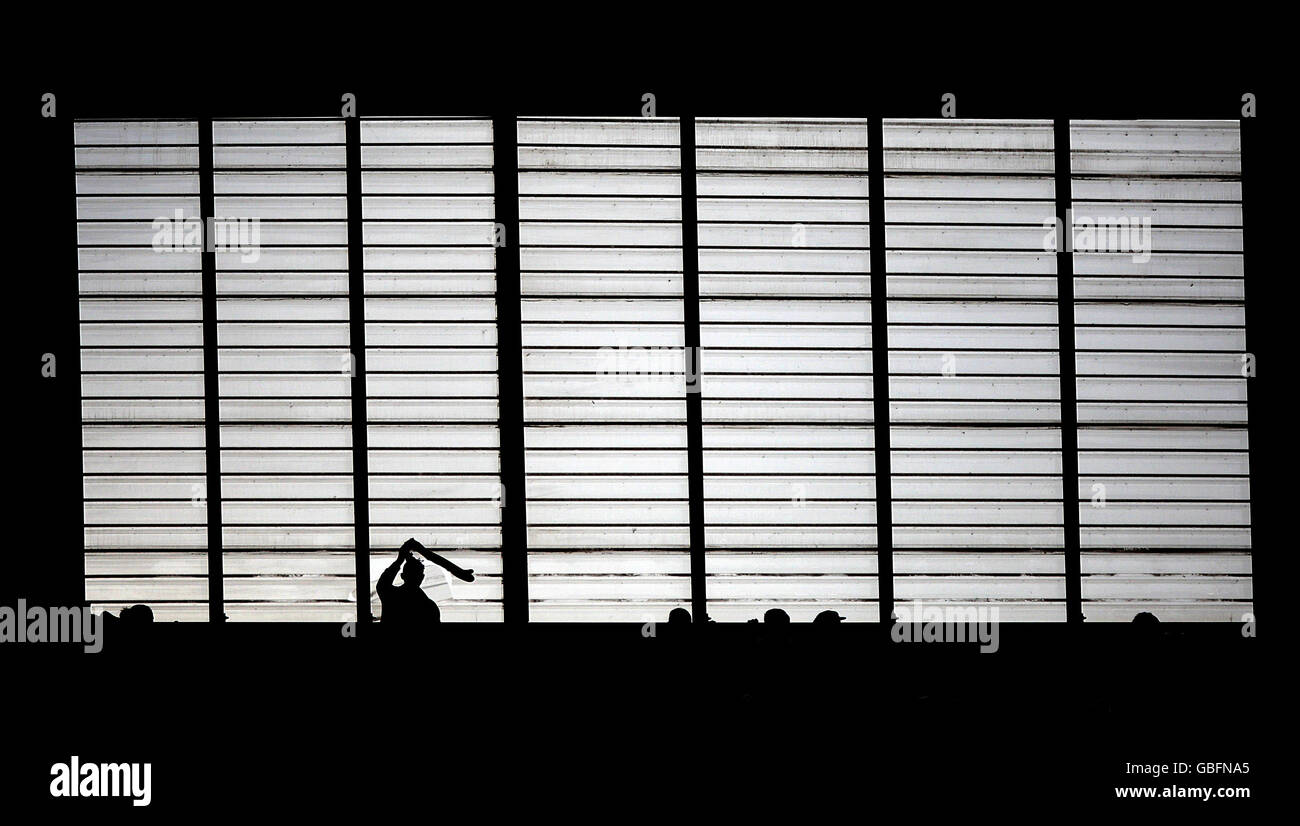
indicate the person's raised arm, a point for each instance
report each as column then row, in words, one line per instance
column 390, row 573
column 466, row 574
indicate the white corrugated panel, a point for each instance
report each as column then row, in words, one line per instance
column 605, row 410
column 431, row 380
column 285, row 372
column 1163, row 450
column 974, row 369
column 142, row 366
column 785, row 368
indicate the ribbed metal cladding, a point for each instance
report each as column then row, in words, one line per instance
column 785, row 367
column 975, row 418
column 605, row 409
column 431, row 358
column 139, row 233
column 393, row 256
column 285, row 372
column 1164, row 488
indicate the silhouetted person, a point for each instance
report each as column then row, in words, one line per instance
column 136, row 615
column 827, row 618
column 127, row 629
column 406, row 605
column 679, row 616
column 776, row 616
column 1146, row 618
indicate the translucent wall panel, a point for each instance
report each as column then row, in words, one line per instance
column 974, row 371
column 138, row 236
column 1160, row 330
column 786, row 368
column 605, row 410
column 285, row 376
column 431, row 382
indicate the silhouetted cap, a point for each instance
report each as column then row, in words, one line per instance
column 679, row 616
column 776, row 616
column 827, row 618
column 1146, row 618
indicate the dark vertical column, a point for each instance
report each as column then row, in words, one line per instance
column 510, row 370
column 694, row 402
column 357, row 339
column 211, row 378
column 48, row 396
column 880, row 369
column 1069, row 395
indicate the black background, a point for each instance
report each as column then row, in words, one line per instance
column 498, row 722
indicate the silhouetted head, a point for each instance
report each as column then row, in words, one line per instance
column 679, row 616
column 137, row 614
column 827, row 618
column 413, row 572
column 776, row 616
column 1145, row 618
